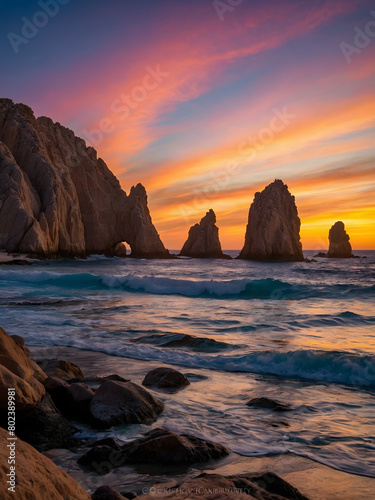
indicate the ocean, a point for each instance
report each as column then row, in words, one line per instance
column 301, row 333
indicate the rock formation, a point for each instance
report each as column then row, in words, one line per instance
column 273, row 227
column 203, row 240
column 36, row 476
column 19, row 371
column 58, row 199
column 339, row 245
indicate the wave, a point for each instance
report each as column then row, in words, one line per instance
column 336, row 367
column 244, row 288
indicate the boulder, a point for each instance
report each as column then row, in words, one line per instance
column 272, row 232
column 266, row 486
column 57, row 198
column 61, row 369
column 118, row 403
column 58, row 390
column 160, row 446
column 37, row 477
column 165, row 378
column 44, row 427
column 269, row 404
column 203, row 240
column 79, row 397
column 20, row 372
column 339, row 245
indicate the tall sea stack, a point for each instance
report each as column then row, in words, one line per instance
column 272, row 232
column 58, row 199
column 203, row 240
column 339, row 245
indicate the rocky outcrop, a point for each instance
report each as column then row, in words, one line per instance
column 165, row 378
column 203, row 240
column 20, row 372
column 339, row 245
column 273, row 227
column 118, row 403
column 36, row 475
column 58, row 199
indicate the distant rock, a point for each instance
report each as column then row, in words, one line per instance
column 339, row 245
column 203, row 240
column 119, row 250
column 58, row 199
column 273, row 227
column 164, row 377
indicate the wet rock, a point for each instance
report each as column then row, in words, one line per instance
column 107, row 493
column 272, row 232
column 203, row 240
column 268, row 404
column 58, row 390
column 79, row 397
column 44, row 427
column 165, row 378
column 61, row 369
column 267, row 486
column 160, row 446
column 118, row 403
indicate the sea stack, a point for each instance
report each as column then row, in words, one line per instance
column 272, row 232
column 203, row 240
column 57, row 198
column 339, row 245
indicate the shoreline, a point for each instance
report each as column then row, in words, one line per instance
column 312, row 478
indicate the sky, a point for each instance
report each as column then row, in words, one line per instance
column 207, row 102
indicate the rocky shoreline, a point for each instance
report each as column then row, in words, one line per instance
column 54, row 396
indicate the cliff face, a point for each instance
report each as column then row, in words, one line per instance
column 58, row 199
column 273, row 227
column 339, row 246
column 203, row 240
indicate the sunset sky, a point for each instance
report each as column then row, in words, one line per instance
column 205, row 103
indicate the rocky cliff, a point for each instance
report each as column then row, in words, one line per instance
column 273, row 227
column 58, row 199
column 203, row 240
column 339, row 245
